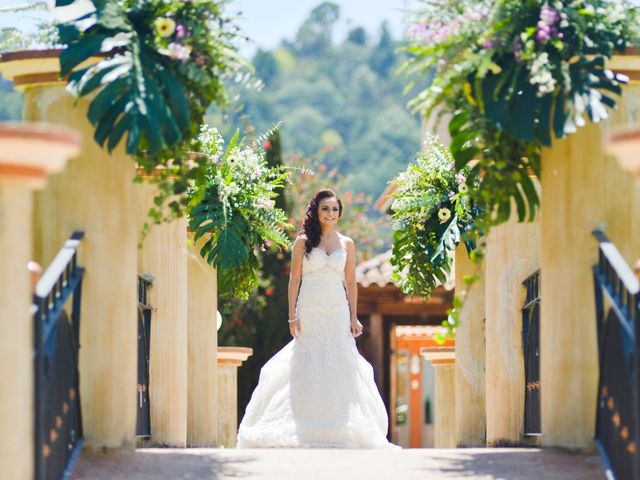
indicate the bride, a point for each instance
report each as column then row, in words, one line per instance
column 318, row 391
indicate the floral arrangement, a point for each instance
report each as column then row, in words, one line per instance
column 155, row 66
column 233, row 206
column 432, row 212
column 513, row 74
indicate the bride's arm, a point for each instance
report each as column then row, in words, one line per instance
column 352, row 288
column 294, row 285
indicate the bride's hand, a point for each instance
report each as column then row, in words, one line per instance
column 294, row 328
column 356, row 327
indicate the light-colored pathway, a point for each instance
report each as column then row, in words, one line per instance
column 423, row 464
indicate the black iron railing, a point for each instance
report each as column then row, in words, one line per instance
column 143, row 423
column 531, row 347
column 58, row 417
column 618, row 318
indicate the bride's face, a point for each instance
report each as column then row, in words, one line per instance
column 328, row 211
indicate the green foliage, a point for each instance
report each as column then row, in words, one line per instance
column 514, row 75
column 260, row 321
column 349, row 89
column 11, row 104
column 314, row 36
column 432, row 212
column 162, row 68
column 232, row 206
column 153, row 67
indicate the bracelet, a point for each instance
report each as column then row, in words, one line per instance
column 292, row 320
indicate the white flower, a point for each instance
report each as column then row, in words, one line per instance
column 444, row 214
column 179, row 52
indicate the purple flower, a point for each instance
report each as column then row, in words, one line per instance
column 487, row 45
column 181, row 31
column 543, row 35
column 548, row 15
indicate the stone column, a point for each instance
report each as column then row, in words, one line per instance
column 573, row 199
column 443, row 361
column 470, row 355
column 202, row 408
column 582, row 189
column 164, row 256
column 27, row 154
column 94, row 194
column 229, row 359
column 512, row 255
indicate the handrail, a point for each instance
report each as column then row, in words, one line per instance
column 617, row 302
column 58, row 266
column 57, row 410
column 617, row 262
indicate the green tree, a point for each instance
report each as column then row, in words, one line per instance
column 315, row 35
column 346, row 97
column 384, row 56
column 266, row 66
column 358, row 36
column 11, row 102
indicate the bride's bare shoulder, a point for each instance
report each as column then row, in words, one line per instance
column 298, row 243
column 346, row 242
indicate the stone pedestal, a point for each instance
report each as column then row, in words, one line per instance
column 229, row 359
column 512, row 256
column 202, row 408
column 94, row 194
column 470, row 355
column 164, row 256
column 28, row 153
column 443, row 361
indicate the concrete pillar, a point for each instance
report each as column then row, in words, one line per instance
column 582, row 188
column 443, row 359
column 94, row 194
column 202, row 408
column 164, row 256
column 229, row 359
column 470, row 355
column 23, row 167
column 573, row 200
column 512, row 254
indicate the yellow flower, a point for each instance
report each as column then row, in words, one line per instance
column 463, row 188
column 164, row 26
column 444, row 214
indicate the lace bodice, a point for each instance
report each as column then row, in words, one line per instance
column 318, row 261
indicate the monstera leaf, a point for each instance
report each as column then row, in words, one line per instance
column 140, row 95
column 226, row 247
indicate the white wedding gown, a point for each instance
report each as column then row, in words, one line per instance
column 317, row 391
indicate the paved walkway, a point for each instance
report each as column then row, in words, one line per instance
column 410, row 464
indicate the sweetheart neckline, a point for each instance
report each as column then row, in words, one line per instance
column 328, row 255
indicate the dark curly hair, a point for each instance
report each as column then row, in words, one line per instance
column 311, row 226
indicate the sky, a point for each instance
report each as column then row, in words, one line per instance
column 267, row 22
